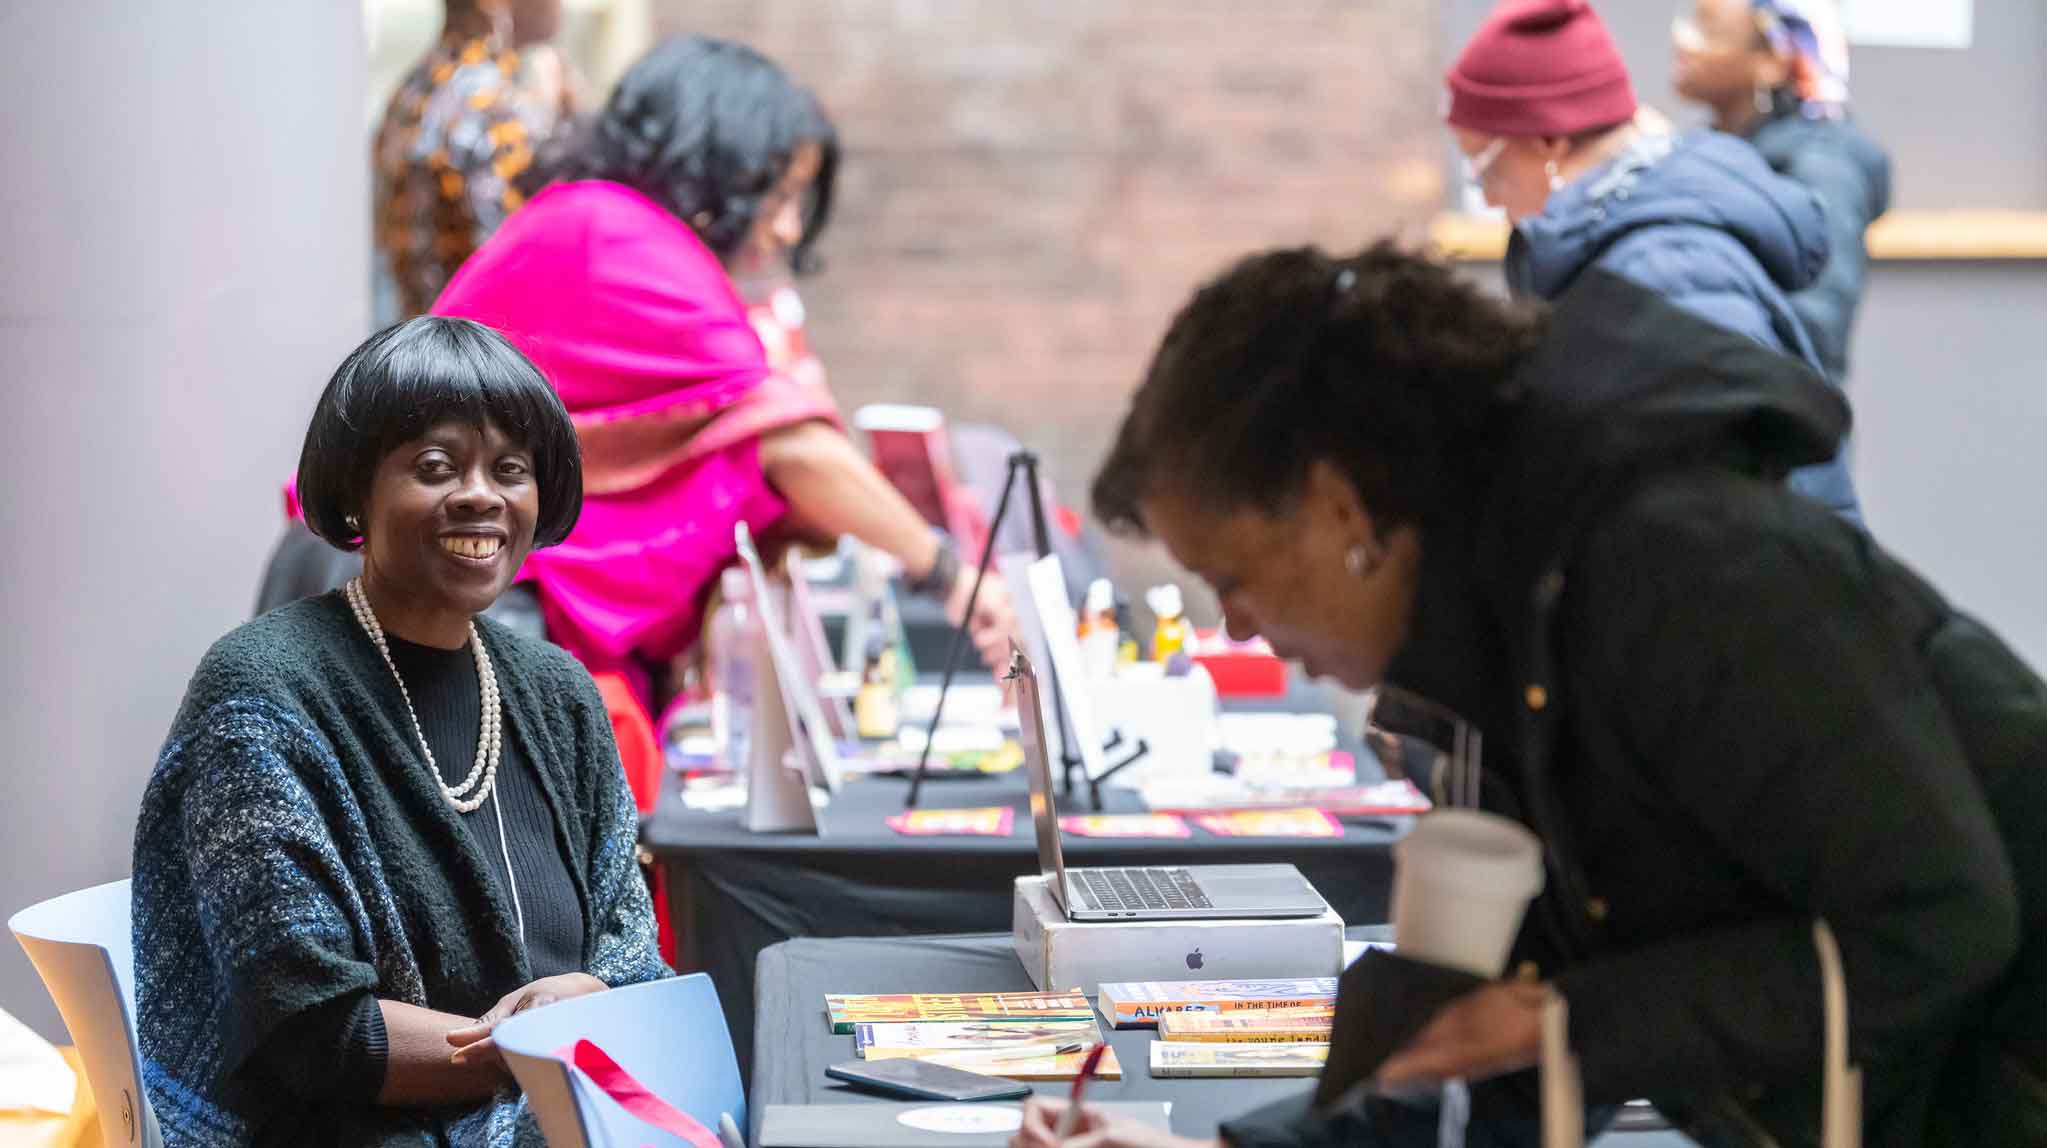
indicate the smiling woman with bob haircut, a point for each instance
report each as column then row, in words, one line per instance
column 382, row 823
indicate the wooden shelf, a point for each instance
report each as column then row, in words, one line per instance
column 1900, row 235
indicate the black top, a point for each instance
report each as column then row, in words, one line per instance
column 444, row 689
column 339, row 1050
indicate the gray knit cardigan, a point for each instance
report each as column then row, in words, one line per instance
column 292, row 849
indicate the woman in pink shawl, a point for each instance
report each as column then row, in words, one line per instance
column 708, row 163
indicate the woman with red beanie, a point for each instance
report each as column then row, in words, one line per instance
column 1544, row 113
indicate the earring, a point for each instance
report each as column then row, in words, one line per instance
column 352, row 522
column 702, row 220
column 1361, row 560
column 1556, row 182
column 1765, row 101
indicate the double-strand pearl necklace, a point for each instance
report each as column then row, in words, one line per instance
column 483, row 776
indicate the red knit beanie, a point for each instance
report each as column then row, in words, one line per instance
column 1540, row 68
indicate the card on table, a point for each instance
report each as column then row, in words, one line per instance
column 987, row 821
column 1298, row 822
column 1126, row 825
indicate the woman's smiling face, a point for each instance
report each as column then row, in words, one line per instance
column 449, row 518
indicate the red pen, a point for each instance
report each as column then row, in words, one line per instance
column 1070, row 1119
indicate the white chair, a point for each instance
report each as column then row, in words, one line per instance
column 82, row 946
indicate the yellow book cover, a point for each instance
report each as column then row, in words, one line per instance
column 1140, row 1004
column 845, row 1011
column 1043, row 1062
column 1252, row 1026
column 1170, row 1059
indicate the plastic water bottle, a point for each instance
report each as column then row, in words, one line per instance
column 731, row 634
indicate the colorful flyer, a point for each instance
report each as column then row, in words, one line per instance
column 987, row 821
column 1126, row 825
column 1302, row 821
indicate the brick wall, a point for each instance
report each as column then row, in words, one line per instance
column 1032, row 187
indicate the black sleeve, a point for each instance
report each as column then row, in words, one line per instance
column 1757, row 680
column 1289, row 1123
column 332, row 1052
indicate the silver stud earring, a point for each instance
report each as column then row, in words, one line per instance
column 1556, row 182
column 1360, row 560
column 353, row 523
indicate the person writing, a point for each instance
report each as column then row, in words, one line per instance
column 380, row 823
column 1726, row 712
column 707, row 163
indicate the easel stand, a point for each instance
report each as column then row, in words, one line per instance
column 1094, row 784
column 1027, row 463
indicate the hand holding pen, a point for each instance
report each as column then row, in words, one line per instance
column 1068, row 1123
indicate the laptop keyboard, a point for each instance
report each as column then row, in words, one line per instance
column 1124, row 890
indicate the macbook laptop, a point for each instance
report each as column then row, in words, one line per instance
column 1142, row 894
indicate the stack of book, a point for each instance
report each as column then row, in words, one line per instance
column 1229, row 1028
column 1022, row 1036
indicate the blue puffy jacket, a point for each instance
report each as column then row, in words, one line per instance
column 1703, row 221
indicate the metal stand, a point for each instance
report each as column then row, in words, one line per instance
column 1027, row 463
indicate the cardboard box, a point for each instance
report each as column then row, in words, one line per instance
column 1063, row 953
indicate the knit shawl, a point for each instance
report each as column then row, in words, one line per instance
column 293, row 848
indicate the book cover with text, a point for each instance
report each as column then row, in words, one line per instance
column 1139, row 1004
column 847, row 1010
column 1169, row 1059
column 1043, row 1062
column 938, row 1036
column 1253, row 1026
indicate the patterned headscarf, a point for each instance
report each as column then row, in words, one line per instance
column 1810, row 32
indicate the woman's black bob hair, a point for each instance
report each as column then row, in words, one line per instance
column 406, row 379
column 706, row 128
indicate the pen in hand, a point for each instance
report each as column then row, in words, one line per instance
column 1070, row 1119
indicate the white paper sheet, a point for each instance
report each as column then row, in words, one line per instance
column 33, row 1075
column 1946, row 24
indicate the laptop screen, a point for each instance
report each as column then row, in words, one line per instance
column 1037, row 763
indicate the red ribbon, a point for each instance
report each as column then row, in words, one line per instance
column 636, row 1098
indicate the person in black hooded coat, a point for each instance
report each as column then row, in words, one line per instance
column 1726, row 712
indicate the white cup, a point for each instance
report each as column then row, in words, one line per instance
column 1462, row 881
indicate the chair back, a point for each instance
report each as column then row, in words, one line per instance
column 669, row 1034
column 82, row 946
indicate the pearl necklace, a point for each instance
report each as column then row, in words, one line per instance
column 476, row 788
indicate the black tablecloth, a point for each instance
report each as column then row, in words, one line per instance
column 796, row 1044
column 733, row 893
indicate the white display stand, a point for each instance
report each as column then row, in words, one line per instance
column 778, row 796
column 1046, row 622
column 1060, row 954
column 813, row 653
column 791, row 747
column 1176, row 719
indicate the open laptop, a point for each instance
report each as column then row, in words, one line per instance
column 1142, row 894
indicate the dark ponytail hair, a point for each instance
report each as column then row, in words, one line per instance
column 706, row 128
column 1385, row 363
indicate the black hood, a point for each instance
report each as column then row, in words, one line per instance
column 1624, row 384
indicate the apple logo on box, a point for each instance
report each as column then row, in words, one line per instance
column 1194, row 959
